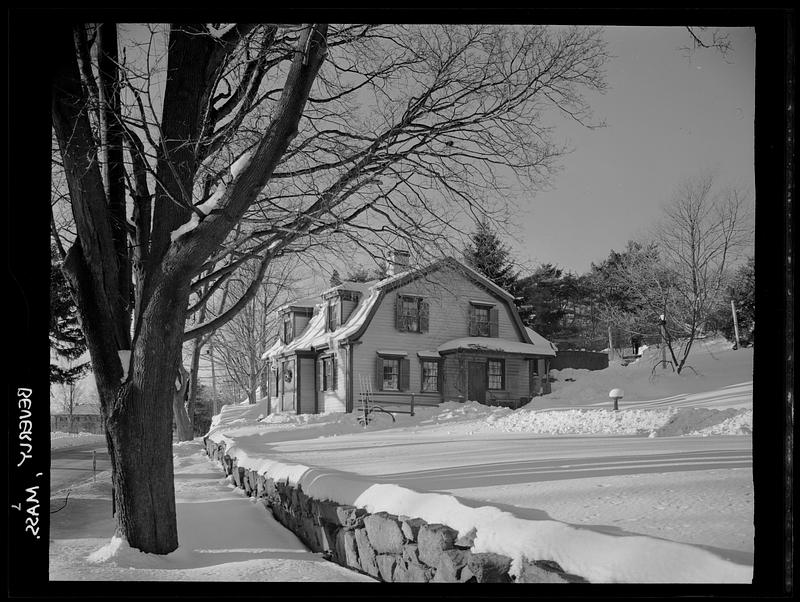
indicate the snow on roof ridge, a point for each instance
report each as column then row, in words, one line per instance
column 495, row 344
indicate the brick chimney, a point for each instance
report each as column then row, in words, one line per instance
column 398, row 261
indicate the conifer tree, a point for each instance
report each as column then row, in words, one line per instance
column 66, row 336
column 486, row 253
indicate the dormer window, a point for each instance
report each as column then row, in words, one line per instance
column 288, row 328
column 332, row 309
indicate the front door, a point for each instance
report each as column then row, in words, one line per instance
column 477, row 382
column 289, row 385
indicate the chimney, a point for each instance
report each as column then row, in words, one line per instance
column 398, row 261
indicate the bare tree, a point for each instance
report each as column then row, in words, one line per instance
column 243, row 340
column 703, row 232
column 199, row 149
column 68, row 396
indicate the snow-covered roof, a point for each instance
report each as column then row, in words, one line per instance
column 314, row 335
column 494, row 344
column 539, row 340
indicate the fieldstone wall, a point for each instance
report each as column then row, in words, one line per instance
column 387, row 547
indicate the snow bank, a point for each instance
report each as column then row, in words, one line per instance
column 598, row 557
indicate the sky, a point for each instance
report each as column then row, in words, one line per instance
column 668, row 115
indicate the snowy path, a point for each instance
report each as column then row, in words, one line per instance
column 223, row 535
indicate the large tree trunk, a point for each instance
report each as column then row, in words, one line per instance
column 136, row 399
column 140, row 425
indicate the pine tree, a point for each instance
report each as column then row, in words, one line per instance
column 335, row 280
column 487, row 254
column 66, row 336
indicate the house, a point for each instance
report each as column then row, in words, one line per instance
column 441, row 332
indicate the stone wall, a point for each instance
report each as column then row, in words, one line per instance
column 386, row 547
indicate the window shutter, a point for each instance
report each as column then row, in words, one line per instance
column 399, row 323
column 440, row 376
column 327, row 317
column 334, row 374
column 424, row 316
column 472, row 325
column 379, row 374
column 321, row 370
column 494, row 323
column 405, row 374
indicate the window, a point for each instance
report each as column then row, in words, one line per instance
column 430, row 376
column 332, row 317
column 481, row 321
column 329, row 373
column 288, row 331
column 411, row 314
column 391, row 374
column 496, row 375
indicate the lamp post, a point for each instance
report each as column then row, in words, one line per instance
column 616, row 395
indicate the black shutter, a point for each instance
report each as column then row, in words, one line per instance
column 399, row 322
column 379, row 374
column 440, row 376
column 424, row 315
column 405, row 374
column 472, row 325
column 334, row 374
column 494, row 323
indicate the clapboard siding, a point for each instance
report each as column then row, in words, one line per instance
column 448, row 294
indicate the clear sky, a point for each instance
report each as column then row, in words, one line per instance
column 668, row 115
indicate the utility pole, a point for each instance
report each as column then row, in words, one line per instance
column 735, row 324
column 662, row 324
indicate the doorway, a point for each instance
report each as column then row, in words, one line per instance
column 476, row 389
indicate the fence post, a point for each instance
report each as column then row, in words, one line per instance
column 94, row 465
column 412, row 404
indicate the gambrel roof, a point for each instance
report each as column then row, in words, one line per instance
column 314, row 336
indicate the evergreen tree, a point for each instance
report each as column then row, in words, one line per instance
column 335, row 280
column 486, row 253
column 551, row 299
column 66, row 336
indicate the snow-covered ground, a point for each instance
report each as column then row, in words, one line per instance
column 223, row 535
column 660, row 491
